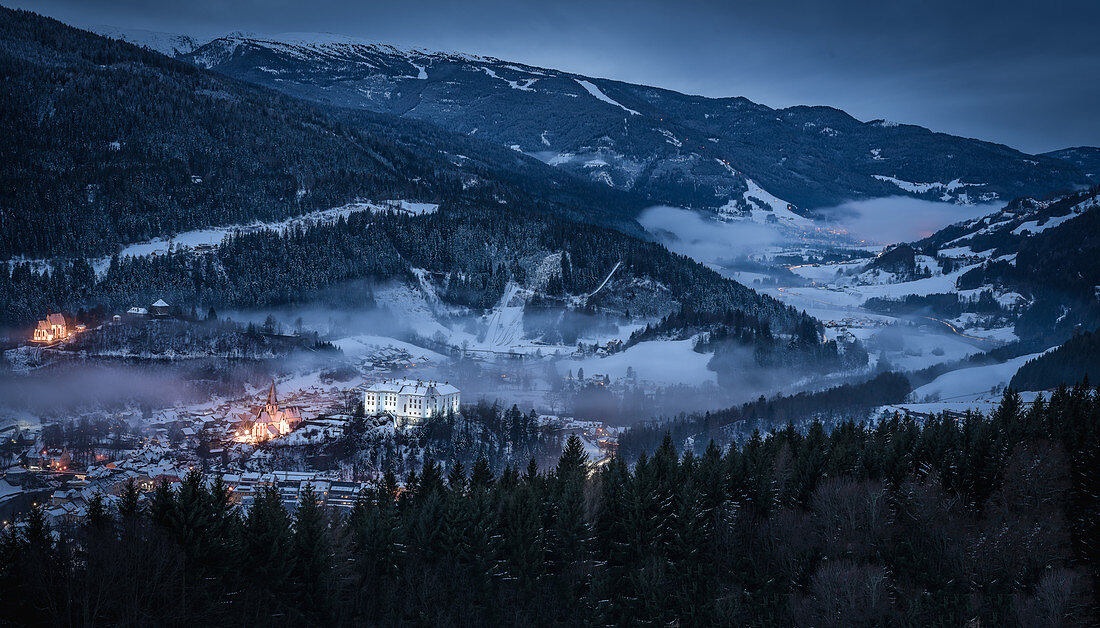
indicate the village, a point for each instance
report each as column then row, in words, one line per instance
column 267, row 438
column 250, row 448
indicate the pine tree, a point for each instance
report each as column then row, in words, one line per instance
column 311, row 555
column 162, row 506
column 481, row 478
column 523, row 535
column 456, row 478
column 267, row 545
column 129, row 502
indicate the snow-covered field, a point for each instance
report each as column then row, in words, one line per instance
column 863, row 286
column 972, row 384
column 666, row 362
column 359, row 345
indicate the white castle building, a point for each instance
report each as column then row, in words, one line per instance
column 410, row 400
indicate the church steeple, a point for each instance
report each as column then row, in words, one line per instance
column 272, row 400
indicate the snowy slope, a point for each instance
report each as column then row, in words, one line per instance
column 171, row 44
column 973, row 384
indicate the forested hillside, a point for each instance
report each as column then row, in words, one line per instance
column 1078, row 359
column 988, row 519
column 831, row 407
column 1056, row 267
column 1034, row 261
column 470, row 252
column 108, row 143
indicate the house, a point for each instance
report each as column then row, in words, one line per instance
column 160, row 308
column 55, row 459
column 410, row 401
column 52, row 328
column 271, row 420
column 137, row 311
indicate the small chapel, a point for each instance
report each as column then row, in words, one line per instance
column 52, row 328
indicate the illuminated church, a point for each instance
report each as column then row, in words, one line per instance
column 273, row 420
column 52, row 328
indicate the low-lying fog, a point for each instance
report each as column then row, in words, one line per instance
column 900, row 218
column 706, row 239
column 875, row 221
column 369, row 320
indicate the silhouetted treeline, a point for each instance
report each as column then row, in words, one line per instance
column 949, row 305
column 1077, row 359
column 181, row 338
column 831, row 406
column 719, row 325
column 989, row 519
column 739, row 339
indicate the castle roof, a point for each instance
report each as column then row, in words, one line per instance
column 406, row 386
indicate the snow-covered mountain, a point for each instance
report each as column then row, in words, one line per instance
column 171, row 44
column 675, row 148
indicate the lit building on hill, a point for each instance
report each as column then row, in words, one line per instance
column 51, row 329
column 410, row 401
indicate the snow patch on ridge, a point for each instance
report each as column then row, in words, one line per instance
column 922, row 188
column 525, row 86
column 762, row 205
column 599, row 95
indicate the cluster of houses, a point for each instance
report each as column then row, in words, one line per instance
column 600, row 440
column 220, row 437
column 69, row 502
column 390, row 359
column 243, row 488
column 159, row 309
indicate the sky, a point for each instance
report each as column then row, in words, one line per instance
column 1019, row 72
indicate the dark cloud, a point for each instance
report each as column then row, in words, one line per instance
column 1013, row 71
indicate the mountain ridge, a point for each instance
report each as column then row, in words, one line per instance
column 674, row 148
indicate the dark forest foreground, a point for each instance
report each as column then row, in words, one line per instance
column 990, row 519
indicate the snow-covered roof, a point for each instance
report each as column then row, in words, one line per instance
column 406, row 386
column 160, row 303
column 137, row 310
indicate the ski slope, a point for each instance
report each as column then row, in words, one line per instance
column 505, row 328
